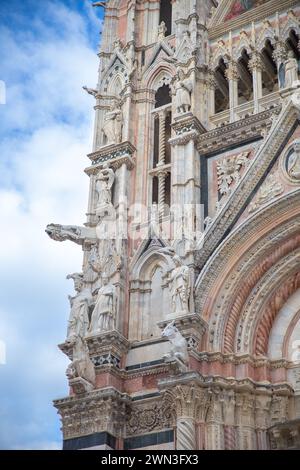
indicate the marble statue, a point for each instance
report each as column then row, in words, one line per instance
column 81, row 365
column 104, row 313
column 180, row 286
column 113, row 123
column 79, row 316
column 294, row 162
column 183, row 89
column 291, row 71
column 179, row 349
column 104, row 182
column 162, row 29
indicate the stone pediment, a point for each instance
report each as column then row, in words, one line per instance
column 161, row 51
column 261, row 182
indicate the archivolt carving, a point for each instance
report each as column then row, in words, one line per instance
column 256, row 260
column 264, row 303
column 285, row 208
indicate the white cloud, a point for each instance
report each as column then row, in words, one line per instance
column 48, row 122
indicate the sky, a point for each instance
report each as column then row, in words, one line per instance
column 48, row 51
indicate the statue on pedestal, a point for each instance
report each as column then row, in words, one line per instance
column 180, row 286
column 79, row 316
column 104, row 313
column 104, row 182
column 113, row 123
column 183, row 89
column 291, row 71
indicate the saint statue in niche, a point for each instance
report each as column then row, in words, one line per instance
column 180, row 286
column 104, row 182
column 183, row 89
column 291, row 71
column 113, row 123
column 104, row 314
column 79, row 315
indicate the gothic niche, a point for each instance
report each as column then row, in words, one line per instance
column 149, row 296
column 222, row 88
column 245, row 82
column 165, row 15
column 269, row 70
column 161, row 164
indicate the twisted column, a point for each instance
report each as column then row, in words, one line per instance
column 162, row 138
column 189, row 404
column 186, row 435
column 161, row 161
column 161, row 192
column 229, row 437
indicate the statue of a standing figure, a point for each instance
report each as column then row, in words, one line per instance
column 104, row 313
column 79, row 316
column 104, row 182
column 162, row 29
column 113, row 123
column 291, row 71
column 180, row 285
column 183, row 89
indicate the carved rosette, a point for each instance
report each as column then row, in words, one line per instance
column 147, row 417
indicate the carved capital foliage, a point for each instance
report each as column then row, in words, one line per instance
column 189, row 401
column 101, row 410
column 232, row 71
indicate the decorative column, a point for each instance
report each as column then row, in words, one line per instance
column 211, row 86
column 189, row 403
column 215, row 432
column 161, row 162
column 246, row 437
column 262, row 418
column 232, row 77
column 229, row 421
column 255, row 66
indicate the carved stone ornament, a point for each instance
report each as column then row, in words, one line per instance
column 228, row 170
column 179, row 347
column 292, row 162
column 269, row 190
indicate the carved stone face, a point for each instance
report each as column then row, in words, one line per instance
column 78, row 284
column 105, row 280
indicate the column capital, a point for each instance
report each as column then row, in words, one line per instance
column 255, row 62
column 232, row 71
column 280, row 52
column 188, row 400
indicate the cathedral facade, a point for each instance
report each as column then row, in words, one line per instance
column 184, row 328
